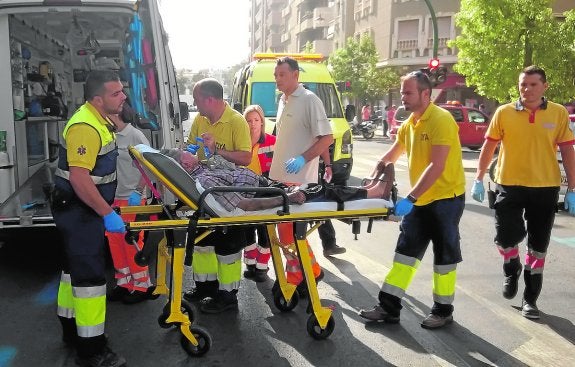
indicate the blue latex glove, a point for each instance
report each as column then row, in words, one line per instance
column 192, row 148
column 206, row 150
column 570, row 202
column 135, row 199
column 478, row 191
column 294, row 165
column 114, row 223
column 403, row 207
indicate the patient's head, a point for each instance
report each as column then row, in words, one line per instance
column 188, row 161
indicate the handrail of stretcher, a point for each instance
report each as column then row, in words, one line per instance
column 355, row 214
column 205, row 221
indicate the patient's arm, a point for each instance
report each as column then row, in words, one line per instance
column 254, row 204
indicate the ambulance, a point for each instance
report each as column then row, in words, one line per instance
column 255, row 84
column 47, row 48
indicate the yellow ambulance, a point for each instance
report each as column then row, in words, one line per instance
column 255, row 84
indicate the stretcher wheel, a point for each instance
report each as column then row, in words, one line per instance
column 187, row 309
column 140, row 258
column 315, row 331
column 282, row 304
column 204, row 342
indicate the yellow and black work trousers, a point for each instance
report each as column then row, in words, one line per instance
column 217, row 261
column 438, row 223
column 82, row 291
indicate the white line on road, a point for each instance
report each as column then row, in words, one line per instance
column 543, row 345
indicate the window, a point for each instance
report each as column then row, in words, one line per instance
column 475, row 116
column 267, row 96
column 457, row 114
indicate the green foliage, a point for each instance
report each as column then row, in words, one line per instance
column 356, row 62
column 183, row 82
column 501, row 37
column 308, row 48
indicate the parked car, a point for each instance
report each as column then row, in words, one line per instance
column 472, row 123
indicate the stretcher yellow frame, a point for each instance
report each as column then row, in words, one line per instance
column 320, row 323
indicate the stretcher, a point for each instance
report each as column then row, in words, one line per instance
column 202, row 214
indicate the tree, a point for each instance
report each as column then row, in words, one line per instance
column 183, row 81
column 501, row 37
column 356, row 63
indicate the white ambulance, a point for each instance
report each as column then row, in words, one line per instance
column 46, row 50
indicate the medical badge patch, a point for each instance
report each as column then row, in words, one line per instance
column 81, row 150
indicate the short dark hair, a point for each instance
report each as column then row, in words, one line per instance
column 210, row 87
column 292, row 63
column 535, row 70
column 422, row 79
column 96, row 80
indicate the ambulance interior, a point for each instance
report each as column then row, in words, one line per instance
column 51, row 53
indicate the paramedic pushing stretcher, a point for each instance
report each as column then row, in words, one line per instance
column 85, row 185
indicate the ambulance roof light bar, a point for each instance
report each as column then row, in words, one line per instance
column 272, row 55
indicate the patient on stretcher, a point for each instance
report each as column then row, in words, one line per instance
column 219, row 172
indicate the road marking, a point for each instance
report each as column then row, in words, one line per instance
column 569, row 241
column 543, row 346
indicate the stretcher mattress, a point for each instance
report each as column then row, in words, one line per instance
column 191, row 189
column 316, row 206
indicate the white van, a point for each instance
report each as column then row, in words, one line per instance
column 47, row 47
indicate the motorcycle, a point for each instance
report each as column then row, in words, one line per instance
column 364, row 128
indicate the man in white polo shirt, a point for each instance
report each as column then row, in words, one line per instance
column 303, row 134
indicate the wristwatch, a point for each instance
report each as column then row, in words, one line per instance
column 411, row 198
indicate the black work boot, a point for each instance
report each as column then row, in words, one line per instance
column 203, row 290
column 69, row 331
column 223, row 301
column 512, row 270
column 533, row 285
column 105, row 358
column 250, row 271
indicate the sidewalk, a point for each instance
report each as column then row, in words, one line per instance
column 470, row 157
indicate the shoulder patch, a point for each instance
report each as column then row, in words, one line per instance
column 81, row 150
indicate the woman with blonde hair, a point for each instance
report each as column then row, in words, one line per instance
column 257, row 254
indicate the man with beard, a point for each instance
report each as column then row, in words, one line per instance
column 85, row 185
column 432, row 209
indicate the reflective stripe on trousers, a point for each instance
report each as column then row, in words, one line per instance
column 230, row 271
column 256, row 255
column 128, row 274
column 444, row 277
column 205, row 263
column 400, row 275
column 293, row 267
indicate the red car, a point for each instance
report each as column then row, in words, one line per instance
column 472, row 123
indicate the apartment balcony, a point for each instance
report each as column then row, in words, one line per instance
column 324, row 47
column 276, row 2
column 275, row 18
column 286, row 11
column 322, row 17
column 274, row 40
column 407, row 44
column 306, row 23
column 441, row 42
column 285, row 37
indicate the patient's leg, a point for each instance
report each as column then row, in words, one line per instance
column 380, row 187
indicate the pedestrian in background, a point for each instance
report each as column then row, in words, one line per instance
column 390, row 116
column 365, row 112
column 133, row 282
column 432, row 209
column 527, row 181
column 257, row 254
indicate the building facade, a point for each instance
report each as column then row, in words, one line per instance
column 402, row 31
